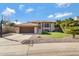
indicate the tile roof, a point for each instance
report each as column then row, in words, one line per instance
column 26, row 24
column 43, row 21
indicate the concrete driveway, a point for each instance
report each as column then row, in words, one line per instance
column 19, row 37
column 11, row 45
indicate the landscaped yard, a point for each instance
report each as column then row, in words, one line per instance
column 57, row 35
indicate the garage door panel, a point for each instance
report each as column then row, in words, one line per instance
column 27, row 29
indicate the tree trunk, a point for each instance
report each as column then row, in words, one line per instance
column 73, row 35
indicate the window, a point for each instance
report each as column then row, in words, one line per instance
column 39, row 24
column 47, row 25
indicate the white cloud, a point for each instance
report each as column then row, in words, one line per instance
column 60, row 15
column 21, row 6
column 63, row 4
column 51, row 16
column 29, row 10
column 8, row 12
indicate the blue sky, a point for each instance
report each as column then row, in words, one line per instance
column 38, row 11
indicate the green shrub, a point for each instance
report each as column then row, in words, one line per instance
column 75, row 29
column 67, row 31
column 71, row 30
column 45, row 32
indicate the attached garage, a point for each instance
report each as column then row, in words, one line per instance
column 26, row 28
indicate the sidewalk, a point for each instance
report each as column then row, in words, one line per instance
column 51, row 49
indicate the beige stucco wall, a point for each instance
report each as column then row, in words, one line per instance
column 17, row 29
column 35, row 30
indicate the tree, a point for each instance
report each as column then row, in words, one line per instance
column 70, row 26
column 57, row 25
column 73, row 32
column 1, row 24
column 16, row 20
column 11, row 24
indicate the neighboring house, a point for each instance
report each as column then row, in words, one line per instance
column 76, row 18
column 35, row 27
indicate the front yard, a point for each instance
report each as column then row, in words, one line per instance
column 56, row 35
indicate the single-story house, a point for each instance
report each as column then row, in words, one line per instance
column 35, row 27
